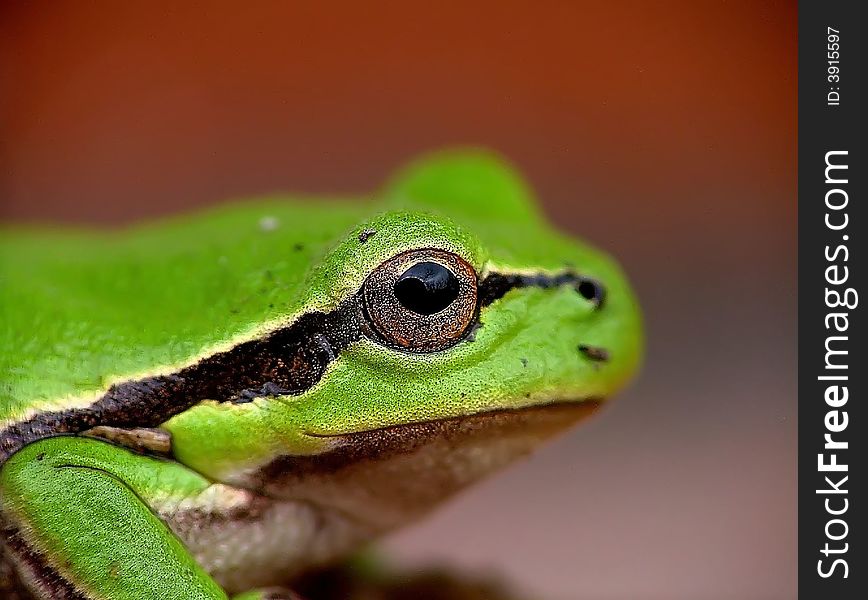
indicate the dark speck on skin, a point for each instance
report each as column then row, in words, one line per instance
column 298, row 247
column 268, row 390
column 366, row 235
column 594, row 353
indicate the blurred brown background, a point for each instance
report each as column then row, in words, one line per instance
column 664, row 131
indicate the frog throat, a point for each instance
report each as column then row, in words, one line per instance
column 288, row 361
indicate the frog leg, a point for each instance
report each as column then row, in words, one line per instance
column 75, row 524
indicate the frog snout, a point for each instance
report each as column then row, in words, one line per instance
column 594, row 292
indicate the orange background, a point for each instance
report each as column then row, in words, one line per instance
column 663, row 131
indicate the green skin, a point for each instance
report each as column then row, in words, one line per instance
column 81, row 311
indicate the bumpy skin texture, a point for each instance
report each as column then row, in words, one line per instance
column 81, row 311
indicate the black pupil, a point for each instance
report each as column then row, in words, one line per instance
column 426, row 288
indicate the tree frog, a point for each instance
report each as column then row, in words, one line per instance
column 211, row 406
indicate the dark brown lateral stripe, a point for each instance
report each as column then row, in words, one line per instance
column 53, row 584
column 496, row 285
column 287, row 361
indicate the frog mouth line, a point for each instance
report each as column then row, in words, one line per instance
column 288, row 361
column 353, row 450
column 564, row 408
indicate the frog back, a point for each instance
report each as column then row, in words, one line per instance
column 80, row 310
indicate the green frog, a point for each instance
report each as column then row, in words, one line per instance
column 212, row 406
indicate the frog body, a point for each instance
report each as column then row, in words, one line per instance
column 211, row 405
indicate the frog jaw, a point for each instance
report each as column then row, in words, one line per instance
column 389, row 476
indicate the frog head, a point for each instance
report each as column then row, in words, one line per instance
column 438, row 340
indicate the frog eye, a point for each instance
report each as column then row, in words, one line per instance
column 421, row 300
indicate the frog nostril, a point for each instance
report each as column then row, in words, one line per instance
column 594, row 353
column 592, row 291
